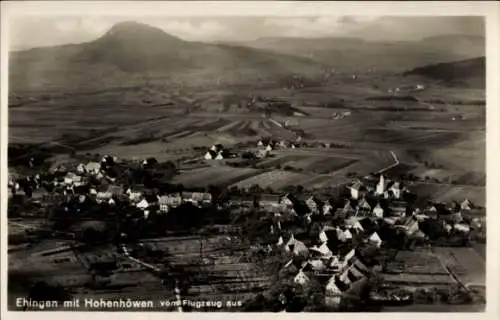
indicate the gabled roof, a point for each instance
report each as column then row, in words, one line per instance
column 466, row 205
column 374, row 237
column 301, row 277
column 211, row 153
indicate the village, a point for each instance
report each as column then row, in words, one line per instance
column 344, row 244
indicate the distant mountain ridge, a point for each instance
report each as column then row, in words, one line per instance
column 471, row 72
column 130, row 50
column 357, row 54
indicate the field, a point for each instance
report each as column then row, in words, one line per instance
column 417, row 268
column 168, row 123
column 313, row 163
column 466, row 263
column 221, row 260
column 448, row 193
column 217, row 175
column 275, row 179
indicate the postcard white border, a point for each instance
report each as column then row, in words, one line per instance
column 490, row 10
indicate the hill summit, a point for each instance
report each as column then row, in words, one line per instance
column 131, row 50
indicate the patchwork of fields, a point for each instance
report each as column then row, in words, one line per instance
column 217, row 175
column 448, row 193
column 221, row 261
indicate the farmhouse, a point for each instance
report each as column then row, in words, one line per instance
column 461, row 228
column 381, row 186
column 80, row 168
column 327, row 208
column 172, row 200
column 334, row 291
column 210, row 155
column 301, row 278
column 466, row 205
column 356, row 190
column 375, row 239
column 323, row 237
column 164, row 204
column 201, row 198
column 217, row 148
column 93, row 167
column 143, row 204
column 103, row 196
column 134, row 194
column 378, row 211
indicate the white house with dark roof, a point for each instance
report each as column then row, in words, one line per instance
column 333, row 294
column 93, row 167
column 323, row 237
column 461, row 227
column 378, row 211
column 327, row 208
column 210, row 155
column 355, row 190
column 301, row 278
column 466, row 205
column 374, row 239
column 103, row 196
column 81, row 168
column 380, row 189
column 219, row 156
column 143, row 204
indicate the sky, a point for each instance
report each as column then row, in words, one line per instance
column 40, row 31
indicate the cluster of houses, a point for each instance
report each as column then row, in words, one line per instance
column 217, row 152
column 266, row 145
column 76, row 188
column 336, row 251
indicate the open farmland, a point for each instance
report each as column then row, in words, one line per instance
column 216, row 175
column 274, row 179
column 448, row 193
column 221, row 264
column 417, row 268
column 466, row 263
column 271, row 163
column 320, row 165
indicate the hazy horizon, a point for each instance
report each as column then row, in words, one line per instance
column 32, row 32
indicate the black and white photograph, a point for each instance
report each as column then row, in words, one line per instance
column 242, row 162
